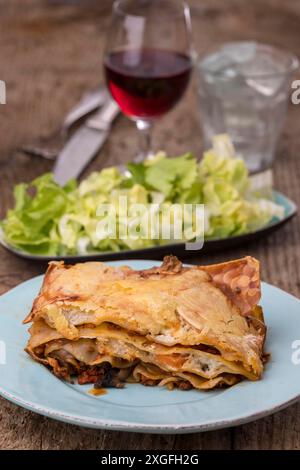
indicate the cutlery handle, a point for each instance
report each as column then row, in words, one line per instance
column 103, row 119
column 88, row 103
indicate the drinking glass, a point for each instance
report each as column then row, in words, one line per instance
column 244, row 89
column 148, row 60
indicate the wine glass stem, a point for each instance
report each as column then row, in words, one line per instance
column 145, row 131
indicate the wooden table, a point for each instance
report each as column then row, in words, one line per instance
column 51, row 52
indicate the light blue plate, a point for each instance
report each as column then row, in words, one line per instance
column 150, row 409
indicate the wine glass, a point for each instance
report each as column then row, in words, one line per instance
column 148, row 60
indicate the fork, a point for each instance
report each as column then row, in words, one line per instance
column 48, row 147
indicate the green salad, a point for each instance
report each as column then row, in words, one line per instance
column 51, row 220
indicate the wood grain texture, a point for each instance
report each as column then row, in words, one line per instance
column 50, row 54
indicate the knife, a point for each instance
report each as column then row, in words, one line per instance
column 84, row 144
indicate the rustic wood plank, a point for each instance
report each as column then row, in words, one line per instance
column 50, row 54
column 279, row 431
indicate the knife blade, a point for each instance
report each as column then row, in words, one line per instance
column 84, row 144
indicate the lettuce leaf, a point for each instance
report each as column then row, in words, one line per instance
column 171, row 175
column 38, row 207
column 50, row 220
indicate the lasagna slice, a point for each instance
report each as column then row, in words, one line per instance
column 189, row 327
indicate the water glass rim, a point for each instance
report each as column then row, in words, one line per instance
column 117, row 8
column 291, row 67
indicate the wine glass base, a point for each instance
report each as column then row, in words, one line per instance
column 141, row 157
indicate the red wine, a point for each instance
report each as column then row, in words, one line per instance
column 147, row 82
